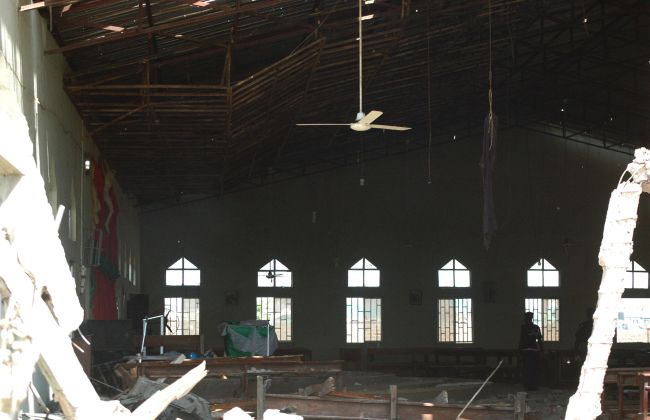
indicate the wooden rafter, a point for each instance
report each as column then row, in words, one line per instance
column 181, row 23
column 47, row 3
column 231, row 79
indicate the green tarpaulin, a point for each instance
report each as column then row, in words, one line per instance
column 249, row 338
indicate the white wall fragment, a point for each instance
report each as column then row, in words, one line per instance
column 614, row 257
column 273, row 414
column 236, row 413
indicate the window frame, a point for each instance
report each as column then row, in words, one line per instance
column 360, row 331
column 183, row 270
column 635, row 267
column 366, row 267
column 467, row 312
column 542, row 262
column 272, row 267
column 455, row 270
column 197, row 314
column 550, row 333
column 621, row 338
column 363, row 324
column 267, row 291
column 283, row 332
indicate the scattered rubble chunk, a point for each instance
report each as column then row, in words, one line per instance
column 236, row 413
column 273, row 414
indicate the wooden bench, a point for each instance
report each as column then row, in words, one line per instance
column 431, row 361
column 636, row 377
column 230, row 367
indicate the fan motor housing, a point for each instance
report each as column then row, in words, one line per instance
column 360, row 127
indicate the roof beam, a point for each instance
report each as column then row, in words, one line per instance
column 47, row 3
column 116, row 120
column 135, row 32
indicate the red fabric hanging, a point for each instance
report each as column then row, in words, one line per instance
column 106, row 209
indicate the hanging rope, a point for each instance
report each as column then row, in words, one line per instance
column 428, row 93
column 489, row 151
column 360, row 62
column 490, row 120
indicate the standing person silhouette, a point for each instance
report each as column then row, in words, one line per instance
column 531, row 345
column 582, row 335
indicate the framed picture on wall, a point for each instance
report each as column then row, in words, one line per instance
column 415, row 297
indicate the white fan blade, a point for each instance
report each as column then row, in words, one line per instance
column 389, row 127
column 372, row 115
column 321, row 124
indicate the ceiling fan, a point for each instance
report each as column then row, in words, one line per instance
column 363, row 122
column 272, row 274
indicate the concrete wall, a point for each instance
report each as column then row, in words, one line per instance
column 551, row 199
column 59, row 138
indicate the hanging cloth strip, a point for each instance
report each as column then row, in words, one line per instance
column 488, row 156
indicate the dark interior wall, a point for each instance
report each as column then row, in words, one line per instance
column 551, row 199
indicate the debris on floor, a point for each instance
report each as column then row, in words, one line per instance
column 188, row 407
column 237, row 413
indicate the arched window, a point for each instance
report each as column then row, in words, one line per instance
column 455, row 312
column 633, row 321
column 182, row 316
column 363, row 274
column 274, row 274
column 543, row 274
column 183, row 273
column 453, row 274
column 363, row 314
column 546, row 310
column 636, row 277
column 182, row 313
column 275, row 309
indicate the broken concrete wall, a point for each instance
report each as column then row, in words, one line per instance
column 32, row 84
column 60, row 142
column 551, row 199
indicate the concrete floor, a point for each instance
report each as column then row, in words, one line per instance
column 547, row 403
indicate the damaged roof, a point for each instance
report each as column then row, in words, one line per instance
column 198, row 98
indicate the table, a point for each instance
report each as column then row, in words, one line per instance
column 637, row 377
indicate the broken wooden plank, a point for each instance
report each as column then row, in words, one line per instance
column 152, row 406
column 380, row 409
column 235, row 367
column 260, row 396
column 393, row 402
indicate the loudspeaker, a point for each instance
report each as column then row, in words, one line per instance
column 137, row 307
